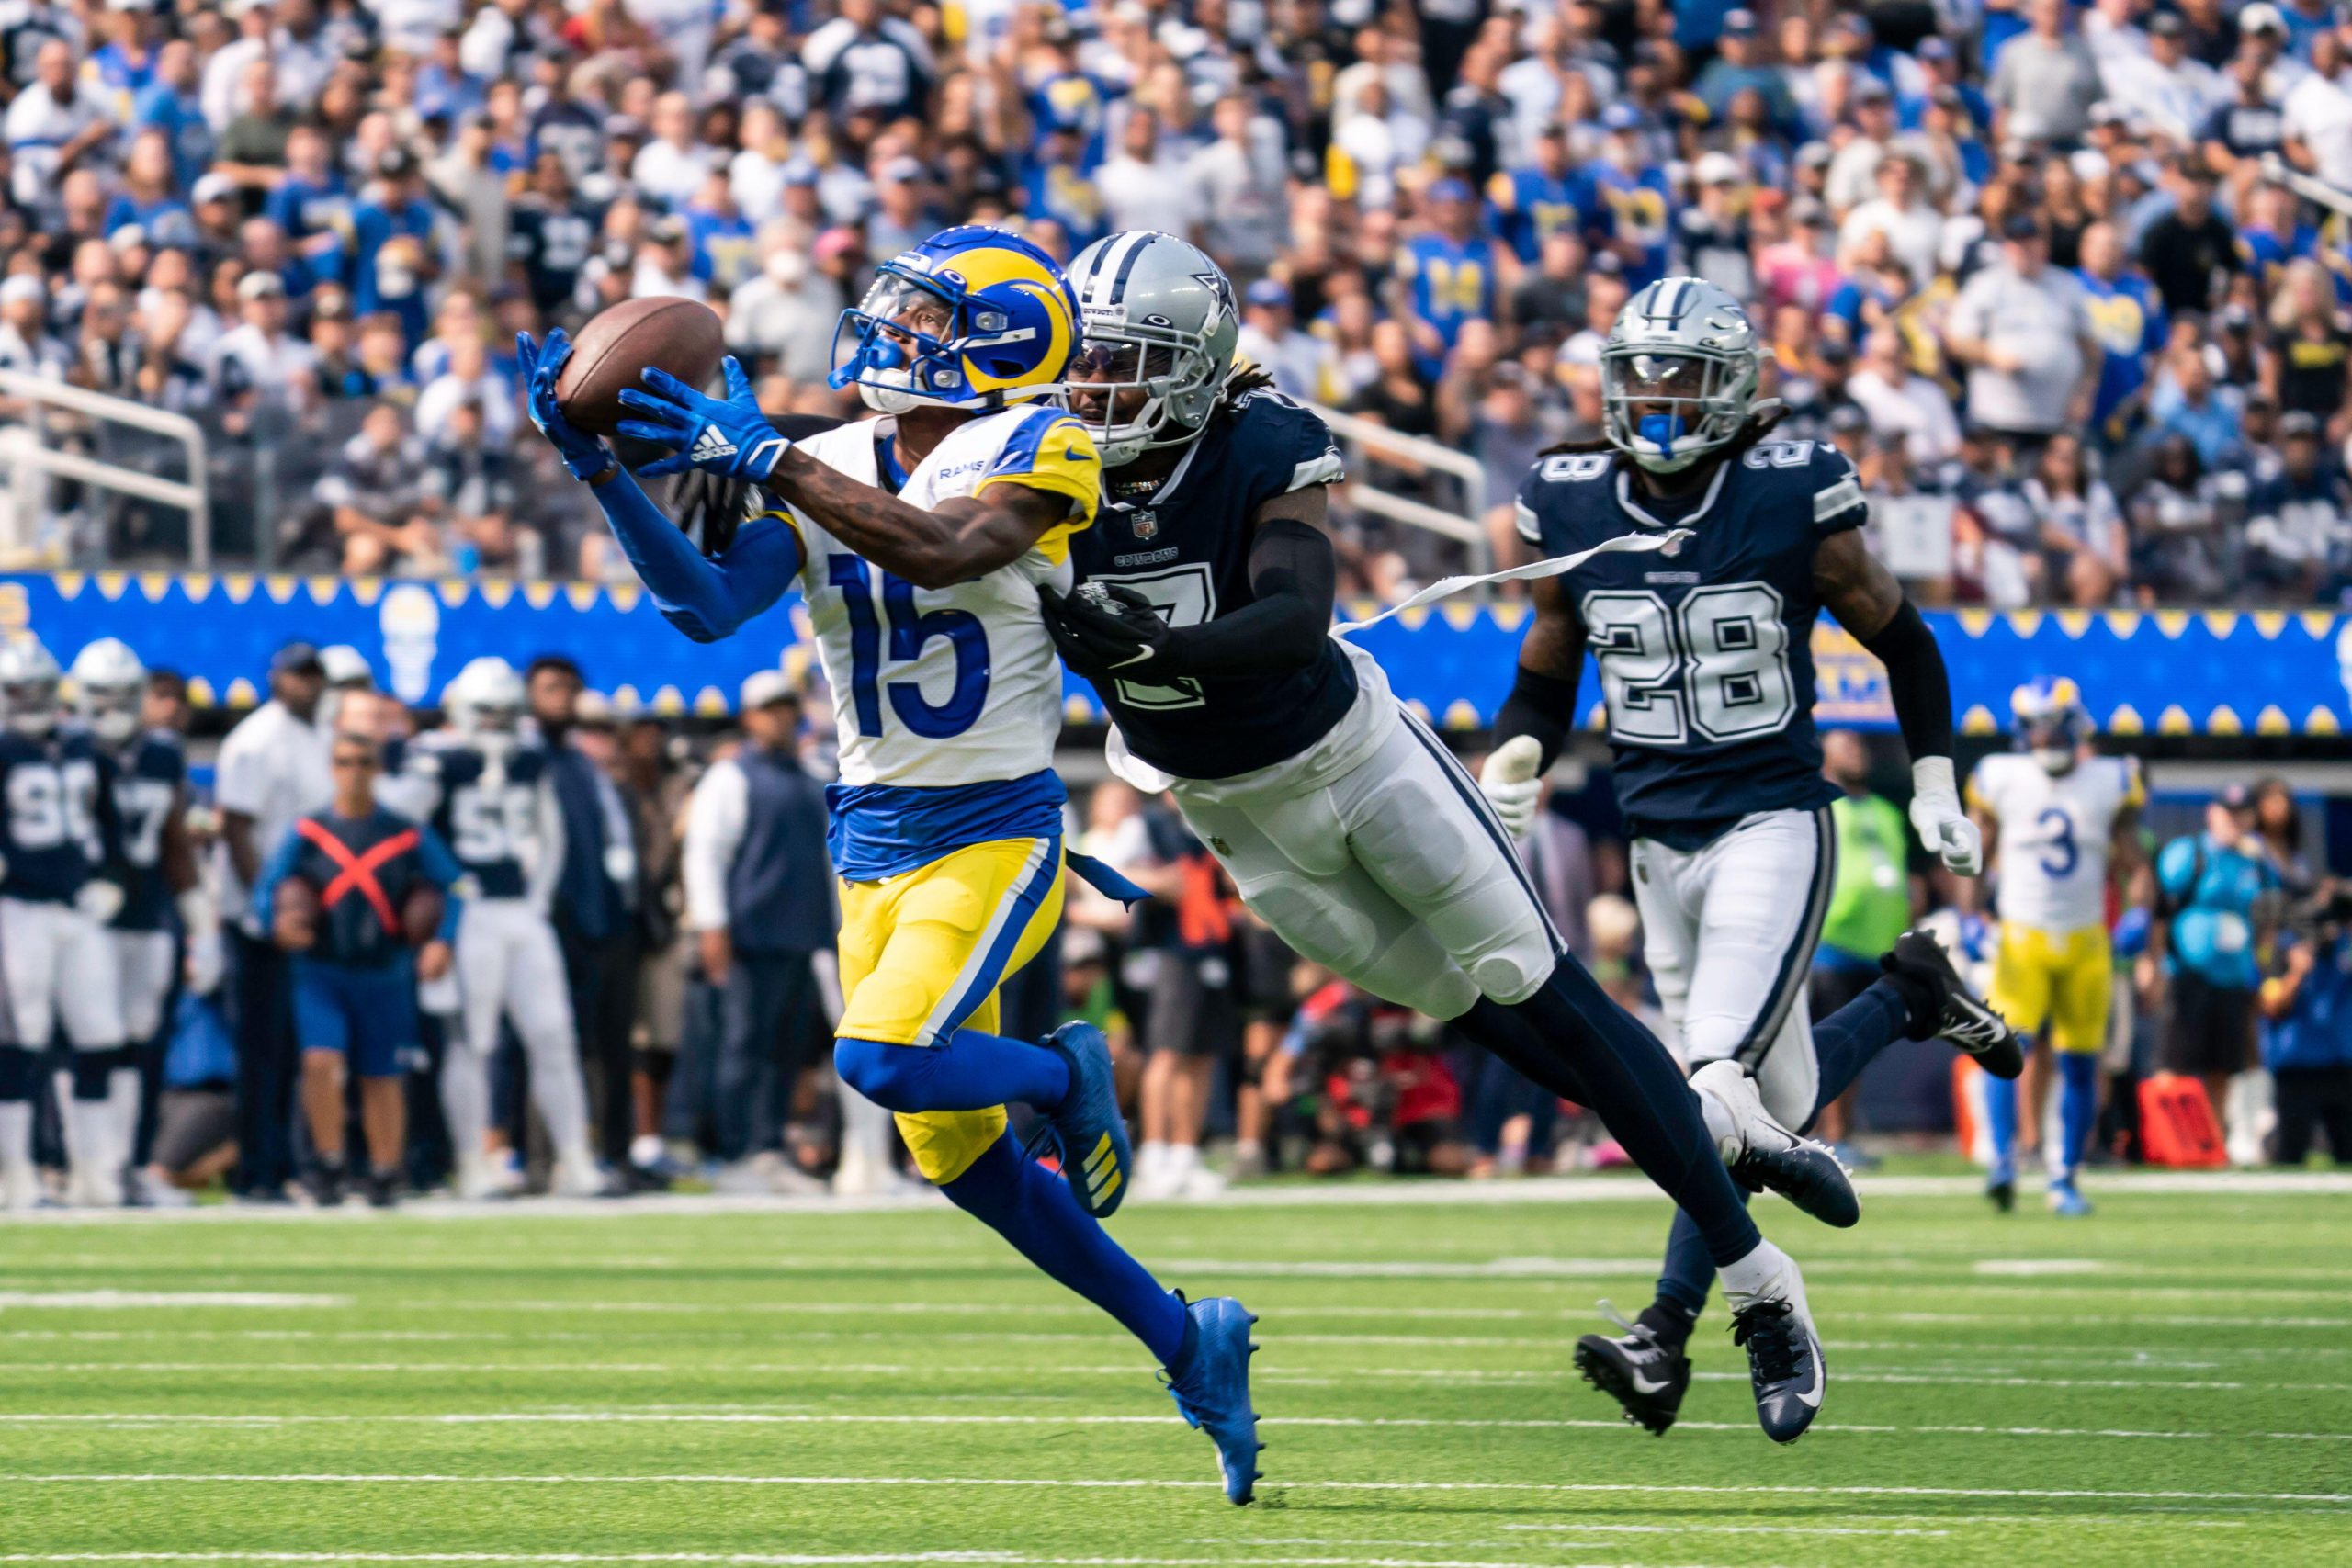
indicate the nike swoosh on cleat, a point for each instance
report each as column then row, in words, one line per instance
column 1643, row 1385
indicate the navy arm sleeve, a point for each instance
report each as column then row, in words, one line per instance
column 1916, row 683
column 1297, row 578
column 704, row 598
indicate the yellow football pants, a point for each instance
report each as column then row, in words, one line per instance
column 2066, row 980
column 922, row 955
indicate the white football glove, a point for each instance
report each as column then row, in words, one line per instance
column 102, row 901
column 1937, row 817
column 1510, row 783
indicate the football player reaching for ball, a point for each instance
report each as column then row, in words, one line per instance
column 921, row 539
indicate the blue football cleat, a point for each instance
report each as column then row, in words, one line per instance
column 1210, row 1383
column 2066, row 1199
column 1095, row 1154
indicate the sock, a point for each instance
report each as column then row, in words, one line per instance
column 970, row 1071
column 122, row 1098
column 1033, row 1208
column 1688, row 1273
column 1847, row 1040
column 865, row 1131
column 2078, row 1108
column 1571, row 1039
column 1749, row 1274
column 562, row 1099
column 2001, row 1124
column 15, row 1136
column 1151, row 1163
column 1669, row 1321
column 465, row 1102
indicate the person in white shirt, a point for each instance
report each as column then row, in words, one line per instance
column 52, row 126
column 2166, row 88
column 1901, row 211
column 674, row 164
column 2317, row 118
column 258, row 363
column 1901, row 401
column 759, row 900
column 272, row 769
column 1143, row 186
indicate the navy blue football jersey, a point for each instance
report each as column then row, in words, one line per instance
column 490, row 819
column 1185, row 546
column 1706, row 656
column 148, row 774
column 56, row 817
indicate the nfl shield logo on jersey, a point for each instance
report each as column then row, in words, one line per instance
column 1145, row 523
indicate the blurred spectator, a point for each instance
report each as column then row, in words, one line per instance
column 2086, row 544
column 2045, row 80
column 2307, row 1040
column 2299, row 520
column 2216, row 903
column 2024, row 331
column 759, row 900
column 1900, row 402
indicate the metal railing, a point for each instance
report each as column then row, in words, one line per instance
column 31, row 462
column 1364, row 439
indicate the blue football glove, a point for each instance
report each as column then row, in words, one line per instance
column 583, row 454
column 732, row 438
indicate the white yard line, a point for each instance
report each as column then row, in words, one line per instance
column 102, row 1420
column 103, row 1301
column 779, row 1560
column 198, row 1478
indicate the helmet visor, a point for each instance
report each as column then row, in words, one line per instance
column 1111, row 379
column 901, row 321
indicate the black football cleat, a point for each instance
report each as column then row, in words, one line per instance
column 1643, row 1369
column 1770, row 1157
column 1961, row 1015
column 1785, row 1366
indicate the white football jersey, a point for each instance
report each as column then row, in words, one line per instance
column 2055, row 833
column 935, row 687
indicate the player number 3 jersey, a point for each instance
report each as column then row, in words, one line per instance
column 943, row 687
column 2055, row 833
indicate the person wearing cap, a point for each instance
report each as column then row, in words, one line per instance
column 259, row 365
column 2299, row 517
column 1270, row 340
column 1537, row 198
column 1445, row 276
column 2045, row 80
column 2217, row 896
column 1853, row 172
column 2023, row 329
column 1737, row 68
column 866, row 62
column 393, row 259
column 1628, row 210
column 1712, row 236
column 759, row 904
column 272, row 769
column 664, row 264
column 2166, row 88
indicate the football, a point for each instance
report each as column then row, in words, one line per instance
column 613, row 351
column 421, row 915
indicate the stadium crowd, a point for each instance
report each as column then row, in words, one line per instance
column 2067, row 281
column 676, row 1025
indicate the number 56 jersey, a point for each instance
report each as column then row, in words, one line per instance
column 1705, row 656
column 938, row 687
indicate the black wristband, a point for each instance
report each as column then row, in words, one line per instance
column 1542, row 705
column 1916, row 683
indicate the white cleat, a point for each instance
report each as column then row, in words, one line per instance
column 1756, row 1148
column 578, row 1177
column 1770, row 1321
column 92, row 1186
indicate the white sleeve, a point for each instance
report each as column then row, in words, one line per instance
column 714, row 831
column 241, row 775
column 547, row 871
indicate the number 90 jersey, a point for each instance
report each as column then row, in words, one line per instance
column 2055, row 834
column 1705, row 656
column 935, row 687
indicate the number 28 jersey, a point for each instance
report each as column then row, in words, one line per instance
column 1705, row 656
column 940, row 687
column 2055, row 834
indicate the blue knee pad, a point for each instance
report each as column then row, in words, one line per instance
column 892, row 1076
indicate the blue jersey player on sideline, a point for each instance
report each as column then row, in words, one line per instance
column 61, row 856
column 159, row 874
column 489, row 793
column 942, row 519
column 1345, row 823
column 1706, row 667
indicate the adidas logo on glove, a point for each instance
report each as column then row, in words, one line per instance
column 710, row 445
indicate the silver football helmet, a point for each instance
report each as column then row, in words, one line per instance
column 1156, row 315
column 1679, row 374
column 485, row 699
column 110, row 684
column 29, row 677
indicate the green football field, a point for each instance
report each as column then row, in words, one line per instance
column 2168, row 1383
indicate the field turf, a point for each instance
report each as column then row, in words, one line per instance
column 2168, row 1383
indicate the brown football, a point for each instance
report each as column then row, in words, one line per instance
column 421, row 915
column 613, row 351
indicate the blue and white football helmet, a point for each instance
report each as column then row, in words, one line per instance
column 2051, row 722
column 972, row 318
column 1679, row 374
